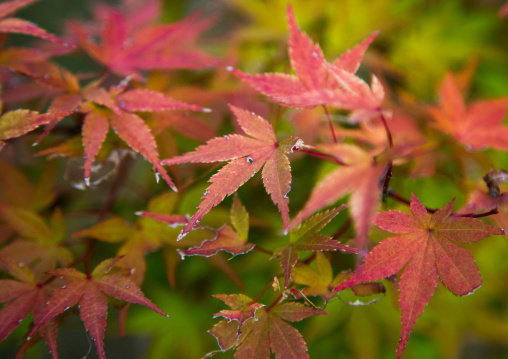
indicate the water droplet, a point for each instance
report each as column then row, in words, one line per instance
column 206, row 192
column 28, row 338
column 157, row 177
column 87, row 181
column 122, row 103
column 226, row 138
column 127, row 286
column 205, row 109
column 266, row 178
column 19, row 321
column 250, row 160
column 63, row 287
column 229, row 68
column 66, row 309
column 314, row 53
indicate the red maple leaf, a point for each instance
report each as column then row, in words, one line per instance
column 318, row 82
column 22, row 295
column 359, row 175
column 89, row 291
column 128, row 43
column 478, row 125
column 270, row 330
column 426, row 244
column 117, row 107
column 248, row 155
column 19, row 26
column 254, row 329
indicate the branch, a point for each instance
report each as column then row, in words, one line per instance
column 323, row 156
column 453, row 214
column 330, row 124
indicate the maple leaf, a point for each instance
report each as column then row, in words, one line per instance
column 22, row 295
column 478, row 125
column 18, row 191
column 318, row 283
column 90, row 292
column 129, row 45
column 232, row 240
column 116, row 109
column 248, row 155
column 40, row 244
column 318, row 82
column 19, row 122
column 427, row 244
column 360, row 175
column 271, row 331
column 15, row 25
column 305, row 238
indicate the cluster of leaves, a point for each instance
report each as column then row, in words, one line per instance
column 366, row 140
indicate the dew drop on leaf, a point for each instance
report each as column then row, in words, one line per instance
column 314, row 53
column 226, row 137
column 127, row 286
column 250, row 160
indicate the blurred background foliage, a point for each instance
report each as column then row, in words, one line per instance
column 419, row 41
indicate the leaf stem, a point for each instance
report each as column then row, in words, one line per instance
column 342, row 229
column 260, row 249
column 323, row 156
column 262, row 292
column 453, row 214
column 277, row 300
column 388, row 177
column 330, row 124
column 387, row 129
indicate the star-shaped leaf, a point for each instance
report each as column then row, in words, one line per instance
column 130, row 42
column 90, row 292
column 318, row 82
column 248, row 154
column 426, row 245
column 271, row 331
column 254, row 329
column 478, row 125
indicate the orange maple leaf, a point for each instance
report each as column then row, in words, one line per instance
column 478, row 125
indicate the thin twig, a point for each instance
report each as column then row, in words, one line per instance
column 453, row 214
column 323, row 156
column 262, row 250
column 262, row 292
column 330, row 123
